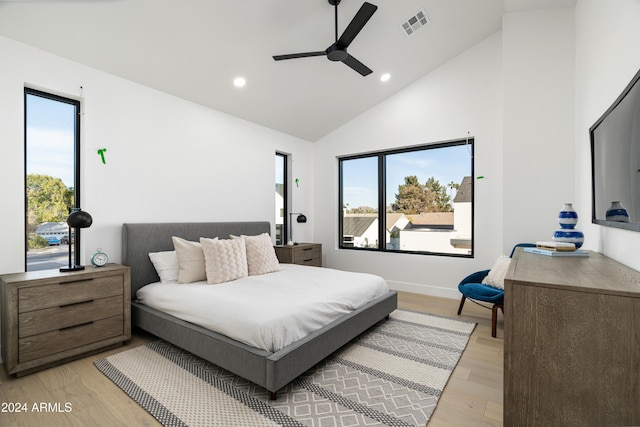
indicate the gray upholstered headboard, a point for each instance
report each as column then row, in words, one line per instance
column 140, row 239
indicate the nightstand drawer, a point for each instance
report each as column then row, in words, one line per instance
column 54, row 318
column 68, row 292
column 307, row 256
column 62, row 339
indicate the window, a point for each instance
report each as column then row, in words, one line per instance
column 281, row 199
column 414, row 200
column 52, row 177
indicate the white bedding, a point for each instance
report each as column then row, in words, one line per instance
column 268, row 311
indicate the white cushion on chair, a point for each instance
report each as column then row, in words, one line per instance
column 497, row 273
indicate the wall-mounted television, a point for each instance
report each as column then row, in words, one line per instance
column 615, row 161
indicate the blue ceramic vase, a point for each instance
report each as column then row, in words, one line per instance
column 568, row 218
column 617, row 213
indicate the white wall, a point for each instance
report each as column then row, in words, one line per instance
column 607, row 57
column 167, row 159
column 464, row 95
column 538, row 156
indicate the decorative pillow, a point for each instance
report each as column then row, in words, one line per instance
column 166, row 265
column 190, row 260
column 496, row 275
column 261, row 257
column 225, row 260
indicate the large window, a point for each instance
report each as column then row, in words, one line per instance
column 52, row 177
column 415, row 200
column 281, row 199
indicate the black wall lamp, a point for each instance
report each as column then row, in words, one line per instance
column 77, row 219
column 301, row 218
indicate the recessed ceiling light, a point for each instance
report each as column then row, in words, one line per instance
column 385, row 77
column 239, row 81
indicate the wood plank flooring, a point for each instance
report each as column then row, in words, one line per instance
column 77, row 394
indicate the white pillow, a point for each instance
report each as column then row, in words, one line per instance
column 190, row 260
column 261, row 256
column 496, row 275
column 166, row 265
column 225, row 260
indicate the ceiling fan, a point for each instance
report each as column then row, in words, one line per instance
column 338, row 50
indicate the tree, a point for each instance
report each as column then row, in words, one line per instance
column 453, row 186
column 49, row 200
column 414, row 198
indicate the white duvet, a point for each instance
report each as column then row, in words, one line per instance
column 268, row 311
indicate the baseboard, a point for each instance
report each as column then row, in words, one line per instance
column 435, row 291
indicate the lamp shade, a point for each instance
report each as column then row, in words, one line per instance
column 301, row 218
column 79, row 219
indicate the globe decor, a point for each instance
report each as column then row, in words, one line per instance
column 568, row 218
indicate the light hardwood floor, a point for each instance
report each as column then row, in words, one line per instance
column 473, row 396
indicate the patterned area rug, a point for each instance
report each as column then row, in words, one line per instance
column 392, row 374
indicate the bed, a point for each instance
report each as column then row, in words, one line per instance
column 271, row 370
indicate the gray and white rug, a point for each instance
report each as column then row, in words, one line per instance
column 392, row 374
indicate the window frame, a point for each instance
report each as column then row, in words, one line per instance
column 76, row 169
column 382, row 202
column 285, row 196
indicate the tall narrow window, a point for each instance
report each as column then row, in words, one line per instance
column 416, row 200
column 281, row 199
column 52, row 180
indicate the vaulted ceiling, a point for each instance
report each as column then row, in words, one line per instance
column 194, row 49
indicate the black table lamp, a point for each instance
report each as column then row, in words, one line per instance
column 77, row 219
column 300, row 218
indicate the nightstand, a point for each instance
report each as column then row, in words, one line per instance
column 50, row 317
column 302, row 253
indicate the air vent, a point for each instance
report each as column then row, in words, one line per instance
column 414, row 23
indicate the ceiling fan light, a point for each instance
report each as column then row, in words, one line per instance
column 385, row 77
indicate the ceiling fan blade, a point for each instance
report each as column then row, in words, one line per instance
column 299, row 55
column 357, row 23
column 357, row 65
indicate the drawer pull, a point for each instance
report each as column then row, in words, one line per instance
column 75, row 281
column 75, row 326
column 307, row 249
column 307, row 260
column 76, row 303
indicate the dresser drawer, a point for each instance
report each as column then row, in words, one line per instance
column 68, row 292
column 62, row 339
column 54, row 318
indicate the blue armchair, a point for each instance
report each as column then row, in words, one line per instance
column 472, row 287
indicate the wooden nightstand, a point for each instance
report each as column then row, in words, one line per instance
column 302, row 253
column 49, row 317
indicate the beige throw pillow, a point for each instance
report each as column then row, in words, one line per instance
column 166, row 265
column 225, row 260
column 190, row 260
column 261, row 256
column 496, row 275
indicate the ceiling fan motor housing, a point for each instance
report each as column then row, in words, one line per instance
column 335, row 53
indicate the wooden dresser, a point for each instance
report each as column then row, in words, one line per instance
column 49, row 317
column 302, row 253
column 572, row 342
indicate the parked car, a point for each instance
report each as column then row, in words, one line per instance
column 52, row 240
column 64, row 240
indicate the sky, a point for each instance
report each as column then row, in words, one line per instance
column 447, row 164
column 50, row 138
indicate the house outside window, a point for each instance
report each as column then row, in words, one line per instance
column 413, row 200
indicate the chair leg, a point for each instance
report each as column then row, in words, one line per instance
column 461, row 304
column 494, row 318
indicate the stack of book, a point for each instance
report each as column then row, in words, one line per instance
column 553, row 248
